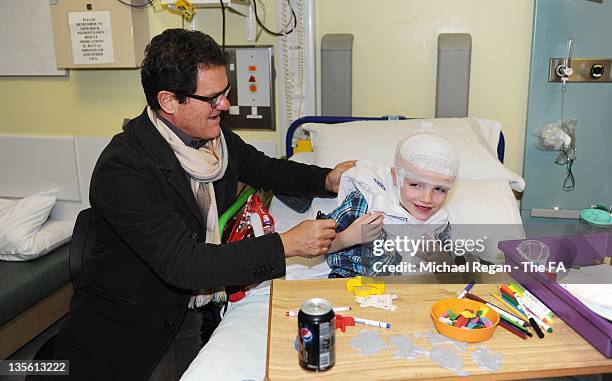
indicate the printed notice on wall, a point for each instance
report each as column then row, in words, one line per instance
column 92, row 37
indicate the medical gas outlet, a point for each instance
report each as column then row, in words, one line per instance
column 580, row 70
column 251, row 75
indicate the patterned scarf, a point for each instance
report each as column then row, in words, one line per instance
column 204, row 166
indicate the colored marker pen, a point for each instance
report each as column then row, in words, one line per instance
column 513, row 329
column 294, row 313
column 372, row 323
column 535, row 309
column 533, row 316
column 466, row 290
column 525, row 294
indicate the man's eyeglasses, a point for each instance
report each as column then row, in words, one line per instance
column 214, row 100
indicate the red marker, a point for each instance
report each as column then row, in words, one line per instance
column 512, row 329
column 294, row 313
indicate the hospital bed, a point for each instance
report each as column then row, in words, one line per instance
column 483, row 194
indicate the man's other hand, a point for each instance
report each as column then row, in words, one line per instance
column 309, row 238
column 332, row 181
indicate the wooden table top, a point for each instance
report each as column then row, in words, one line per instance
column 561, row 353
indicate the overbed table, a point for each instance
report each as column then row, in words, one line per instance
column 561, row 353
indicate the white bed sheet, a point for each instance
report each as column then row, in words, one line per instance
column 237, row 349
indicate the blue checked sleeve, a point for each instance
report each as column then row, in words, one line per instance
column 359, row 259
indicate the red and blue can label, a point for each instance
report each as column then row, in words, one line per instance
column 317, row 335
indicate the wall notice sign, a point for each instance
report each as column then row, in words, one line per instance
column 92, row 37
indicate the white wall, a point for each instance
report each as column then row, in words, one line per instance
column 395, row 48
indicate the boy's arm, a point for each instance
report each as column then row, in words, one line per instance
column 363, row 230
column 351, row 217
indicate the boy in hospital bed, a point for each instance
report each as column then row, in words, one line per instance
column 409, row 197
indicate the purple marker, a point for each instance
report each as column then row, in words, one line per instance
column 466, row 290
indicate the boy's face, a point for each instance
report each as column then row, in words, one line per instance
column 420, row 199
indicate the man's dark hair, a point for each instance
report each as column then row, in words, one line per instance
column 172, row 60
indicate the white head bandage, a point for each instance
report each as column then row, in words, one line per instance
column 427, row 158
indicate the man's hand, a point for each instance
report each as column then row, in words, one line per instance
column 332, row 181
column 309, row 238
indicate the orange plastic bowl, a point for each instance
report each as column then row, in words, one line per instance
column 462, row 334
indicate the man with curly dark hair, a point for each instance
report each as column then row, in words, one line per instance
column 156, row 193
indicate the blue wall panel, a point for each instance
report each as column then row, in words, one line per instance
column 589, row 24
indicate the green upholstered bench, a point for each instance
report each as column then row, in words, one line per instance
column 33, row 296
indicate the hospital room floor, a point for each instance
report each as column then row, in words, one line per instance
column 29, row 351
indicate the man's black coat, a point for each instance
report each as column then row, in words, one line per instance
column 149, row 254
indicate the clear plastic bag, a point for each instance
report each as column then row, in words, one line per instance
column 558, row 136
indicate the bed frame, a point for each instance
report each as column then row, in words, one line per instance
column 501, row 145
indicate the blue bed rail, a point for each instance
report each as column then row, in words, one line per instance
column 501, row 145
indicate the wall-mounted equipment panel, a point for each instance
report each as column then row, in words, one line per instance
column 187, row 8
column 582, row 70
column 251, row 75
column 234, row 4
column 99, row 33
column 210, row 3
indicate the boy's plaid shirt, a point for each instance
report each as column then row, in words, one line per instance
column 359, row 259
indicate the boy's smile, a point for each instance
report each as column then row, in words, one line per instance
column 422, row 200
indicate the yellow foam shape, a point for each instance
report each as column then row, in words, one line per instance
column 352, row 283
column 365, row 285
column 367, row 290
column 468, row 315
column 485, row 311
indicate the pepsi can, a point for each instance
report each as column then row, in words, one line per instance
column 317, row 335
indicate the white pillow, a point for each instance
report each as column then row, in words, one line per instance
column 490, row 130
column 482, row 202
column 376, row 140
column 484, row 208
column 22, row 233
